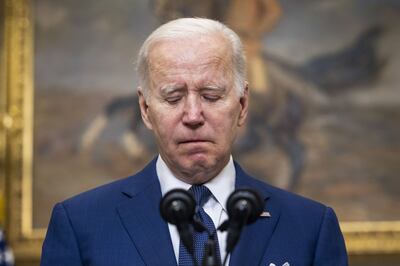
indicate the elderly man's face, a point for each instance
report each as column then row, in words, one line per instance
column 193, row 108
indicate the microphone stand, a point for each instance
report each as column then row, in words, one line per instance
column 210, row 256
column 223, row 227
column 232, row 237
column 186, row 236
column 244, row 206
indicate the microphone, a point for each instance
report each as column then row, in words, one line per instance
column 244, row 206
column 177, row 207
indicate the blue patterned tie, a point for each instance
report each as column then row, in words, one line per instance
column 201, row 194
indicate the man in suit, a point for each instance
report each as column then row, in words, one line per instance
column 194, row 97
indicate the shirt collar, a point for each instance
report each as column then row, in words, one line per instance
column 220, row 186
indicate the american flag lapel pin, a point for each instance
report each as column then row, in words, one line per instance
column 265, row 214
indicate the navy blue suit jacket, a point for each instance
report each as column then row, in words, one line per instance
column 119, row 224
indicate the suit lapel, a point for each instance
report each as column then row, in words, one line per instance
column 140, row 217
column 255, row 238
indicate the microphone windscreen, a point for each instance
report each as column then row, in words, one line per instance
column 177, row 206
column 248, row 200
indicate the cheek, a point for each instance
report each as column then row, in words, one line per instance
column 225, row 127
column 163, row 127
column 230, row 116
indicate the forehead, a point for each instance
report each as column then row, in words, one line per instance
column 202, row 51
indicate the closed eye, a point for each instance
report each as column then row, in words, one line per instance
column 212, row 93
column 211, row 98
column 173, row 100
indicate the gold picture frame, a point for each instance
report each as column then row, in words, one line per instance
column 16, row 129
column 16, row 148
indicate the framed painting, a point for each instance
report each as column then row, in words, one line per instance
column 323, row 121
column 2, row 103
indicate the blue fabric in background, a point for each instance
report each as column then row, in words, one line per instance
column 6, row 255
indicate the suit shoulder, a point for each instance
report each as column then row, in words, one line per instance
column 111, row 193
column 295, row 201
column 295, row 211
column 289, row 201
column 99, row 196
column 285, row 199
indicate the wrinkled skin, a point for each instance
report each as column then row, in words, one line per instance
column 192, row 106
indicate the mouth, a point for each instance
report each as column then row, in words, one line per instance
column 193, row 141
column 194, row 146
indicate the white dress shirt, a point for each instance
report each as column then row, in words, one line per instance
column 220, row 186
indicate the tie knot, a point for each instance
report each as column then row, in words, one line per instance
column 201, row 194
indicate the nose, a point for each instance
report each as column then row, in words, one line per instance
column 193, row 116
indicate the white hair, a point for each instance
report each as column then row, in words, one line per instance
column 191, row 27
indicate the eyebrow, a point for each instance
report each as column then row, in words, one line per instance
column 213, row 88
column 171, row 88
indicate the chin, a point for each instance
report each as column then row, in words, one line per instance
column 203, row 164
column 198, row 170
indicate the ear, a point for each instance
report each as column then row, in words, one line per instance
column 144, row 109
column 244, row 103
